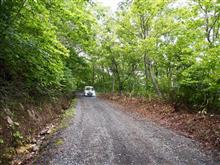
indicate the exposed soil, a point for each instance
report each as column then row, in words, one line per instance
column 21, row 121
column 202, row 127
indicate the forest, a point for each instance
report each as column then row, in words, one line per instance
column 165, row 48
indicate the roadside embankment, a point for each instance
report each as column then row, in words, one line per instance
column 24, row 123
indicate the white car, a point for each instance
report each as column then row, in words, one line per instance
column 89, row 91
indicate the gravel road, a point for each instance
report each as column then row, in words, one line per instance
column 101, row 134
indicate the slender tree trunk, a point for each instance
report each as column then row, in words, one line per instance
column 117, row 73
column 150, row 75
column 113, row 84
column 146, row 70
column 154, row 81
column 120, row 86
column 93, row 74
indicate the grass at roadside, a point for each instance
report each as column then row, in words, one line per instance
column 59, row 142
column 68, row 114
column 64, row 122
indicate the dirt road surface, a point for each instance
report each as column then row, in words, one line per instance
column 101, row 134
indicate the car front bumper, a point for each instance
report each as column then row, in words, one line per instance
column 90, row 94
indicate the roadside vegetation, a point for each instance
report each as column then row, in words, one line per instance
column 163, row 49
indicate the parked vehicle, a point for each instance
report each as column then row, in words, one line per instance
column 89, row 91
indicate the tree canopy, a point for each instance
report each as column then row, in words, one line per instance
column 41, row 41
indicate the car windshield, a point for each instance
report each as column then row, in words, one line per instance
column 89, row 88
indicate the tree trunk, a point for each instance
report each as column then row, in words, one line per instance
column 93, row 74
column 113, row 84
column 154, row 81
column 120, row 86
column 150, row 75
column 146, row 70
column 116, row 72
